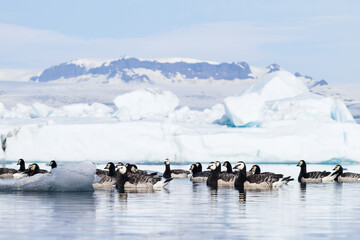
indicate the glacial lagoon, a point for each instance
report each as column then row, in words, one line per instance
column 186, row 210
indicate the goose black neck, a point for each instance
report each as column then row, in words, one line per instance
column 120, row 181
column 195, row 169
column 167, row 173
column 212, row 180
column 111, row 170
column 239, row 182
column 302, row 172
column 22, row 167
column 199, row 168
column 228, row 168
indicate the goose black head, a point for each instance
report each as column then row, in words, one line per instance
column 240, row 166
column 199, row 166
column 122, row 170
column 225, row 164
column 192, row 167
column 212, row 166
column 338, row 169
column 255, row 169
column 119, row 164
column 33, row 169
column 133, row 169
column 167, row 162
column 301, row 163
column 109, row 166
column 20, row 161
column 53, row 164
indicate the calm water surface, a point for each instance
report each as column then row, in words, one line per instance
column 187, row 211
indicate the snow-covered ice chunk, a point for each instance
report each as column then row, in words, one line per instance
column 282, row 96
column 248, row 108
column 64, row 178
column 40, row 110
column 278, row 85
column 308, row 107
column 83, row 110
column 146, row 103
column 2, row 110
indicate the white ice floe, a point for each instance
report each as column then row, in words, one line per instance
column 282, row 96
column 145, row 103
column 69, row 177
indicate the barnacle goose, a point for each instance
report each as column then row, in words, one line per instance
column 228, row 166
column 7, row 172
column 345, row 177
column 134, row 169
column 255, row 181
column 197, row 174
column 175, row 173
column 22, row 172
column 219, row 179
column 255, row 169
column 316, row 176
column 134, row 181
column 108, row 178
column 53, row 164
column 34, row 169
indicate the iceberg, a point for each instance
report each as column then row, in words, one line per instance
column 281, row 96
column 146, row 103
column 147, row 126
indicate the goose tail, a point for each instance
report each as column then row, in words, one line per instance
column 162, row 183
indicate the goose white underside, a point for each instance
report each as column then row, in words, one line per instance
column 19, row 175
column 159, row 185
column 198, row 179
column 260, row 186
column 226, row 183
column 318, row 180
column 103, row 185
column 6, row 175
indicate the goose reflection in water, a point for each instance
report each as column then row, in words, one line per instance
column 242, row 196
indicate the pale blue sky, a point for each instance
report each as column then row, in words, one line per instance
column 320, row 38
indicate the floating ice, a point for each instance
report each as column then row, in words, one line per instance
column 145, row 103
column 40, row 110
column 282, row 96
column 66, row 178
column 278, row 85
column 248, row 108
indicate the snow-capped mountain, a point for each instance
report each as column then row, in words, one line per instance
column 134, row 70
column 127, row 69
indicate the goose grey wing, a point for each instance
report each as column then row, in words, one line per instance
column 258, row 178
column 101, row 172
column 202, row 174
column 180, row 171
column 7, row 170
column 227, row 177
column 350, row 175
column 148, row 179
column 107, row 179
column 274, row 174
column 317, row 174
